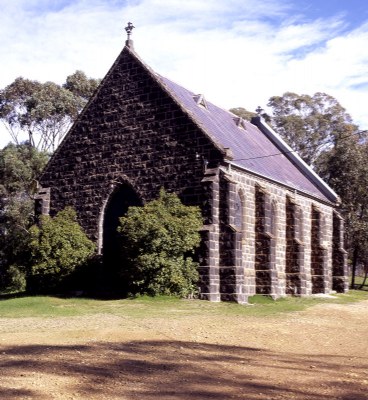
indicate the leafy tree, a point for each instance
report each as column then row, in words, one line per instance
column 364, row 281
column 19, row 167
column 81, row 86
column 58, row 247
column 345, row 168
column 243, row 113
column 157, row 241
column 323, row 133
column 309, row 124
column 13, row 280
column 43, row 111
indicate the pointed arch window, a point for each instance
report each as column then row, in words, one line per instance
column 238, row 205
column 273, row 218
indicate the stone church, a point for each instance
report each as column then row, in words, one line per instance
column 270, row 223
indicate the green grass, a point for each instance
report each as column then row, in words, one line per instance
column 359, row 281
column 45, row 306
column 164, row 307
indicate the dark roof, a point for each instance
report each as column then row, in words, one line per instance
column 253, row 150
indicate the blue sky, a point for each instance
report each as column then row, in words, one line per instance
column 238, row 53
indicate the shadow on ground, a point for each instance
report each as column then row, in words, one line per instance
column 175, row 370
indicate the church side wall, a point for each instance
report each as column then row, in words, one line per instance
column 305, row 232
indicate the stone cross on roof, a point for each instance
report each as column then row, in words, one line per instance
column 259, row 110
column 129, row 29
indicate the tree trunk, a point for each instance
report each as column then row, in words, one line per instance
column 354, row 265
column 365, row 277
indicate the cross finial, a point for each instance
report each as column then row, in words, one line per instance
column 259, row 110
column 129, row 29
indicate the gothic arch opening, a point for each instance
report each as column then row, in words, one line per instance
column 263, row 243
column 239, row 212
column 318, row 252
column 293, row 248
column 123, row 197
column 339, row 255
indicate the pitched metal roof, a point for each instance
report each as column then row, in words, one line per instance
column 256, row 149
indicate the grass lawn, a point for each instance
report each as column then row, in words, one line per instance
column 168, row 307
column 359, row 280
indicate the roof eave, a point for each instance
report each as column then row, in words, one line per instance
column 275, row 181
column 294, row 157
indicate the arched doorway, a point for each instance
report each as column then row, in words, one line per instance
column 123, row 197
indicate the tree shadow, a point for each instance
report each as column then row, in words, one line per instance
column 8, row 296
column 176, row 370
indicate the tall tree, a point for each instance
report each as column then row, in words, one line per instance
column 19, row 167
column 345, row 168
column 243, row 113
column 43, row 111
column 309, row 124
column 324, row 135
column 81, row 86
column 248, row 115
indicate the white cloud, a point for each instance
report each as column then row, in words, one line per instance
column 237, row 52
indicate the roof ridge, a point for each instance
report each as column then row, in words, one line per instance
column 221, row 127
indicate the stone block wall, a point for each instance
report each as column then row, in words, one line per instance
column 339, row 256
column 132, row 132
column 209, row 269
column 287, row 245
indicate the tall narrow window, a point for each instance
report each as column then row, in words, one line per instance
column 338, row 255
column 273, row 219
column 293, row 249
column 238, row 212
column 262, row 244
column 318, row 253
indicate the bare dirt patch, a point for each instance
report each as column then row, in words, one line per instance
column 320, row 353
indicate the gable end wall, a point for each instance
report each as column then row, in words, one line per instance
column 131, row 132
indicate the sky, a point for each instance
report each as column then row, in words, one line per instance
column 238, row 53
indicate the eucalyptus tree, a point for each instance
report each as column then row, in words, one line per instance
column 243, row 113
column 19, row 167
column 345, row 168
column 42, row 113
column 324, row 135
column 309, row 124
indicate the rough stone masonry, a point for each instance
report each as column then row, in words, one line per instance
column 270, row 224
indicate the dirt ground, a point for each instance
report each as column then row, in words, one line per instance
column 320, row 353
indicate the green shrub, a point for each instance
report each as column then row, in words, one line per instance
column 158, row 241
column 58, row 246
column 20, row 165
column 13, row 280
